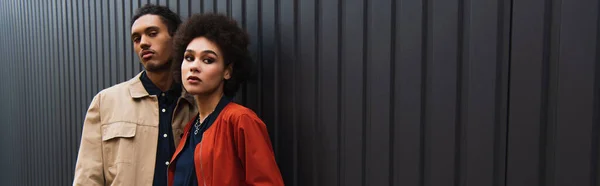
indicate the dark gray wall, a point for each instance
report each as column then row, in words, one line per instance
column 554, row 113
column 354, row 92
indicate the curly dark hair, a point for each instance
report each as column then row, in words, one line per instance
column 227, row 35
column 168, row 17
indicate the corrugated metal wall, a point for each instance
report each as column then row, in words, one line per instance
column 554, row 115
column 354, row 92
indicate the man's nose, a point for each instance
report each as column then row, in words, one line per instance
column 144, row 43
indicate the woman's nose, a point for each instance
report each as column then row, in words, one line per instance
column 194, row 67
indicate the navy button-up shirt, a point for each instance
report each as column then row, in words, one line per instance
column 185, row 173
column 166, row 147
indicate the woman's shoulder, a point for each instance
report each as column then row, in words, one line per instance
column 234, row 110
column 235, row 113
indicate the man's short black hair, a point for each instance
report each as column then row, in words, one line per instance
column 227, row 35
column 169, row 18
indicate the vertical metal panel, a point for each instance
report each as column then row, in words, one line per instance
column 54, row 95
column 195, row 7
column 378, row 47
column 328, row 70
column 45, row 72
column 28, row 82
column 502, row 91
column 575, row 92
column 84, row 21
column 595, row 159
column 443, row 97
column 81, row 76
column 112, row 41
column 27, row 86
column 172, row 4
column 65, row 95
column 241, row 95
column 137, row 66
column 6, row 75
column 50, row 84
column 73, row 95
column 96, row 48
column 42, row 66
column 70, row 96
column 50, row 55
column 252, row 25
column 353, row 92
column 4, row 12
column 268, row 65
column 19, row 9
column 208, row 5
column 9, row 10
column 480, row 147
column 16, row 71
column 82, row 61
column 410, row 31
column 130, row 57
column 287, row 147
column 5, row 140
column 556, row 137
column 120, row 59
column 42, row 101
column 222, row 6
column 306, row 82
column 184, row 9
column 105, row 61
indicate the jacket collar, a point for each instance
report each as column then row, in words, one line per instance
column 137, row 90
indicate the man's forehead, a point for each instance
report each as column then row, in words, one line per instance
column 146, row 21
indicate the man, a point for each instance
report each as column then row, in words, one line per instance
column 130, row 129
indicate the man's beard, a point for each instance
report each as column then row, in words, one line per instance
column 159, row 68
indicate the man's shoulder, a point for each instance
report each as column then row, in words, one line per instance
column 120, row 89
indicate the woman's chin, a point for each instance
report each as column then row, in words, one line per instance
column 194, row 92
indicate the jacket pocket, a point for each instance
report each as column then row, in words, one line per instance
column 118, row 143
column 118, row 130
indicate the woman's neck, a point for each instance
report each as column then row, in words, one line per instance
column 207, row 103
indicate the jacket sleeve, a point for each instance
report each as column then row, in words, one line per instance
column 89, row 167
column 256, row 153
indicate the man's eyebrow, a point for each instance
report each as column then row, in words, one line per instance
column 152, row 28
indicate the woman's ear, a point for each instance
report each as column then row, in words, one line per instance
column 228, row 71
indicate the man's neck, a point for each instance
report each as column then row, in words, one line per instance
column 162, row 80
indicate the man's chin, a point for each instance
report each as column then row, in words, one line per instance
column 153, row 67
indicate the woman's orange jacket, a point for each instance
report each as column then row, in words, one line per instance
column 235, row 150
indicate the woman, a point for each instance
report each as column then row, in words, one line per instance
column 226, row 144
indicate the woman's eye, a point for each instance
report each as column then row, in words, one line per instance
column 208, row 60
column 189, row 58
